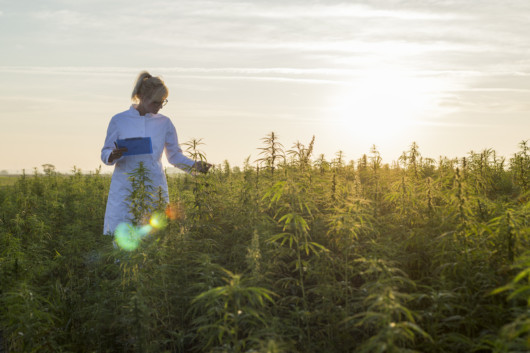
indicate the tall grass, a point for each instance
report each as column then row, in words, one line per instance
column 289, row 253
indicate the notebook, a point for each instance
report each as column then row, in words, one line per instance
column 136, row 145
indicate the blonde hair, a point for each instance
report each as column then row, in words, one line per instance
column 149, row 87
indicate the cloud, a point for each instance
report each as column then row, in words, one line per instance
column 330, row 42
column 454, row 124
column 467, row 80
column 315, row 11
column 293, row 33
column 67, row 70
column 293, row 75
column 60, row 17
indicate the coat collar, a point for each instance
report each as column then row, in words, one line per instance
column 136, row 114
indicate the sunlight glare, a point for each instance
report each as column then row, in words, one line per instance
column 383, row 104
column 158, row 220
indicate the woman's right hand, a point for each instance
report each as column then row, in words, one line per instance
column 116, row 153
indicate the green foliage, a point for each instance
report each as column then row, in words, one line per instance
column 232, row 319
column 272, row 152
column 309, row 256
column 141, row 198
column 385, row 316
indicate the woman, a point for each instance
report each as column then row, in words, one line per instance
column 141, row 120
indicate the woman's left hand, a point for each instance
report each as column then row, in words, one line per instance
column 202, row 167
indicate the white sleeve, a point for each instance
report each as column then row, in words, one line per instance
column 174, row 152
column 112, row 135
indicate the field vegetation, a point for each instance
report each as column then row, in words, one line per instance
column 7, row 180
column 289, row 253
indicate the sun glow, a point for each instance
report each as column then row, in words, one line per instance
column 383, row 105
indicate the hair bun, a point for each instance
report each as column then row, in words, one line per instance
column 154, row 88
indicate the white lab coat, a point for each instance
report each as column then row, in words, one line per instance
column 163, row 136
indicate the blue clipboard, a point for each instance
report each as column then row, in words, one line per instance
column 136, row 145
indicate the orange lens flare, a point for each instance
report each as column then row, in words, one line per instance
column 174, row 211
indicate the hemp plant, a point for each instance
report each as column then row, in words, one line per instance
column 293, row 213
column 272, row 152
column 233, row 314
column 141, row 199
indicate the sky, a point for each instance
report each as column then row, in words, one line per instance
column 452, row 76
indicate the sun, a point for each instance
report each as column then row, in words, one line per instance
column 382, row 105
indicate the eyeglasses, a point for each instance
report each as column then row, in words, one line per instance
column 160, row 104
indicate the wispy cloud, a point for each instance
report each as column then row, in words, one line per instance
column 449, row 124
column 318, row 10
column 25, row 99
column 60, row 17
column 66, row 70
column 338, row 72
column 355, row 33
column 307, row 76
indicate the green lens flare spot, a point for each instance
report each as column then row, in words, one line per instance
column 127, row 236
column 144, row 230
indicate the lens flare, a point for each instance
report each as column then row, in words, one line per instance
column 158, row 220
column 174, row 211
column 144, row 230
column 126, row 236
